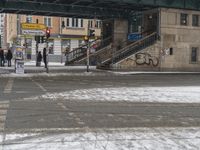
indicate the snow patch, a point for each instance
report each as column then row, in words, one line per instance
column 188, row 94
column 126, row 139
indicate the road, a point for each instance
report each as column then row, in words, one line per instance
column 19, row 113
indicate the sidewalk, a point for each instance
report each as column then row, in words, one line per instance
column 57, row 67
column 30, row 67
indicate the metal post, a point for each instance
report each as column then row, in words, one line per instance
column 36, row 52
column 47, row 56
column 88, row 56
column 88, row 49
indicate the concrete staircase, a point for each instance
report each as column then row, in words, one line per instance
column 129, row 50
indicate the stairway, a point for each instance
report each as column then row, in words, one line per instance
column 78, row 55
column 129, row 50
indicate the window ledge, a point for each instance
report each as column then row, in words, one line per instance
column 75, row 28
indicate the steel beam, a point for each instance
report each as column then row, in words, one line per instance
column 91, row 8
column 29, row 7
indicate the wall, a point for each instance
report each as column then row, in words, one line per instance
column 120, row 32
column 148, row 59
column 11, row 28
column 181, row 38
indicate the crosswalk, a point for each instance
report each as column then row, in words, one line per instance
column 8, row 87
column 4, row 105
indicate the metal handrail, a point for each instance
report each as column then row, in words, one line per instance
column 81, row 52
column 132, row 48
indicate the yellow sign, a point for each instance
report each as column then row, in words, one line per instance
column 33, row 26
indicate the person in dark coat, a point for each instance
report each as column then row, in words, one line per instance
column 39, row 59
column 9, row 56
column 45, row 57
column 2, row 60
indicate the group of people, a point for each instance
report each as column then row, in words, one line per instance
column 3, row 57
column 39, row 58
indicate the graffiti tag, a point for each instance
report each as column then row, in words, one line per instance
column 145, row 58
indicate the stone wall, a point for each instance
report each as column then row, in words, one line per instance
column 174, row 48
column 147, row 59
column 180, row 38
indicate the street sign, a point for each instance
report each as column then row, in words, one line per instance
column 33, row 26
column 134, row 36
column 33, row 32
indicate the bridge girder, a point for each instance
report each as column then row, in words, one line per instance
column 91, row 8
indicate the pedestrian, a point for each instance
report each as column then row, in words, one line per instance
column 45, row 57
column 9, row 57
column 39, row 59
column 2, row 57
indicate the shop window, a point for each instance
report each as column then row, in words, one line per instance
column 195, row 20
column 51, row 45
column 184, row 19
column 65, row 46
column 194, row 53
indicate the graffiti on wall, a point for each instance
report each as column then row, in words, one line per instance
column 146, row 58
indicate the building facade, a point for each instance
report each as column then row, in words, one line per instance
column 178, row 46
column 66, row 33
column 2, row 31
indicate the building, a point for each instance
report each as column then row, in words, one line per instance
column 2, row 31
column 65, row 33
column 178, row 44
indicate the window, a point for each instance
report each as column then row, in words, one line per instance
column 90, row 23
column 194, row 54
column 29, row 19
column 65, row 45
column 81, row 23
column 195, row 20
column 47, row 21
column 68, row 25
column 184, row 19
column 51, row 45
column 98, row 24
column 171, row 51
column 37, row 20
column 74, row 22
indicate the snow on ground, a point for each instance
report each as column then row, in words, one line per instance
column 184, row 94
column 123, row 139
column 14, row 75
column 33, row 63
column 149, row 72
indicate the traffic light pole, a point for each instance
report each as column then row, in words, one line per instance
column 36, row 53
column 47, row 56
column 88, row 56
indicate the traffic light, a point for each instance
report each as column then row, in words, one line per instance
column 91, row 33
column 48, row 34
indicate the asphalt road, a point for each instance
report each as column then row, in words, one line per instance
column 20, row 114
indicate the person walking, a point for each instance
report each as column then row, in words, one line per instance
column 39, row 59
column 2, row 57
column 45, row 57
column 9, row 57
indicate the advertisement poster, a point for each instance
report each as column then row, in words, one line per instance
column 19, row 53
column 19, row 67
